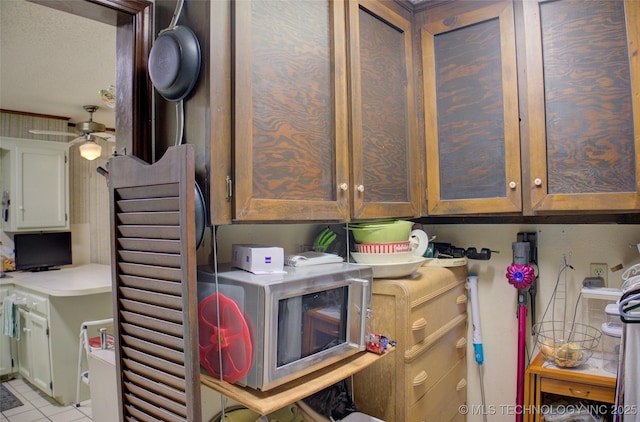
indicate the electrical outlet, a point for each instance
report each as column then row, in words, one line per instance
column 600, row 270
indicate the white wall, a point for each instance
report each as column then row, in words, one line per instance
column 581, row 244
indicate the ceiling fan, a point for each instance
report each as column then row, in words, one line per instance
column 89, row 130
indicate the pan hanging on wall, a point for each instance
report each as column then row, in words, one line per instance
column 174, row 61
column 174, row 65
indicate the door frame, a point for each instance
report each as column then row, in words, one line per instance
column 133, row 20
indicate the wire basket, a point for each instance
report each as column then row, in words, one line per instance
column 566, row 344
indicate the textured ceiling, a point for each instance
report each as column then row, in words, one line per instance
column 52, row 62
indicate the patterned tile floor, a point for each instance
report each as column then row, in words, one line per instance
column 36, row 406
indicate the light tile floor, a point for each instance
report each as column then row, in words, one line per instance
column 36, row 406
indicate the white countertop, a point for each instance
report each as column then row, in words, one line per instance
column 67, row 281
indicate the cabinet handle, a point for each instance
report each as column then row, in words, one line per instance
column 462, row 384
column 538, row 182
column 419, row 324
column 344, row 187
column 580, row 392
column 461, row 343
column 420, row 379
column 26, row 330
column 512, row 185
column 461, row 300
column 360, row 188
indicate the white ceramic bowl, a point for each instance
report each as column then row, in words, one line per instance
column 396, row 270
column 382, row 258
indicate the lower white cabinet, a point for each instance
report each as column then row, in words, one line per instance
column 34, row 353
column 6, row 355
column 6, row 349
column 47, row 352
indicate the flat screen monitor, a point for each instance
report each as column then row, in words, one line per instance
column 42, row 251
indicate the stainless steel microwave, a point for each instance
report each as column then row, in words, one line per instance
column 262, row 331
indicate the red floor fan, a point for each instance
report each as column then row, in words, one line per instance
column 521, row 275
column 225, row 342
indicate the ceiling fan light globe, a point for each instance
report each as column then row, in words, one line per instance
column 90, row 150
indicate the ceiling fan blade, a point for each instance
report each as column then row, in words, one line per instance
column 78, row 140
column 51, row 132
column 105, row 136
column 91, row 137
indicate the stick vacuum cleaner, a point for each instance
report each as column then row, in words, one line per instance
column 521, row 275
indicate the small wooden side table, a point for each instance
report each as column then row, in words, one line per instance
column 589, row 382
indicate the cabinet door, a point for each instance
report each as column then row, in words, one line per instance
column 24, row 359
column 290, row 141
column 385, row 151
column 583, row 105
column 471, row 109
column 6, row 355
column 39, row 352
column 41, row 188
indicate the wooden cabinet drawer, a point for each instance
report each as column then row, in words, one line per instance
column 434, row 363
column 39, row 304
column 430, row 313
column 442, row 401
column 33, row 302
column 577, row 390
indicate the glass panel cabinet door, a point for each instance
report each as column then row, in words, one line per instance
column 385, row 150
column 471, row 109
column 290, row 140
column 583, row 105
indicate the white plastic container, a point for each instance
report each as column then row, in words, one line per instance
column 594, row 302
column 612, row 330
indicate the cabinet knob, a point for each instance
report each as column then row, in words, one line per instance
column 344, row 187
column 538, row 182
column 419, row 324
column 512, row 185
column 20, row 207
column 420, row 379
column 360, row 188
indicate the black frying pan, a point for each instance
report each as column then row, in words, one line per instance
column 174, row 62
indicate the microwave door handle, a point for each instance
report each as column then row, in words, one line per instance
column 365, row 300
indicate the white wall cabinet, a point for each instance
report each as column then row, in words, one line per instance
column 35, row 185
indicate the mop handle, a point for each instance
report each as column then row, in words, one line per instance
column 472, row 281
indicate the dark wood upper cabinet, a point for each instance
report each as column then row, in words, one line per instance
column 471, row 109
column 384, row 146
column 582, row 105
column 302, row 152
column 290, row 140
